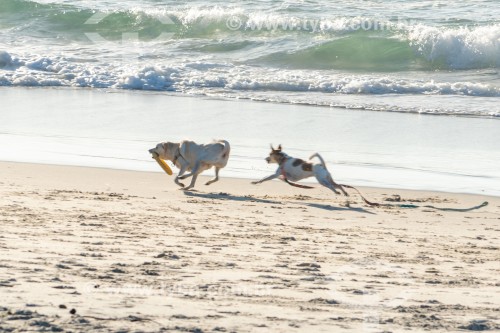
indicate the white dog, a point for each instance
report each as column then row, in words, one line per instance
column 189, row 156
column 295, row 169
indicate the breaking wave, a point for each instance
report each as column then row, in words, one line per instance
column 68, row 72
column 334, row 43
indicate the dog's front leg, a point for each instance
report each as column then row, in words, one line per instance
column 181, row 172
column 216, row 178
column 193, row 181
column 193, row 172
column 271, row 177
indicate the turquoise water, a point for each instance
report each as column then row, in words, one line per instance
column 438, row 57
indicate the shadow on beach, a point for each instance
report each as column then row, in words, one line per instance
column 337, row 208
column 249, row 198
column 227, row 196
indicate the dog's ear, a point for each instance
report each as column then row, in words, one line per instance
column 272, row 148
column 279, row 147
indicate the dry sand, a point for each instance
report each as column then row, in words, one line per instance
column 87, row 249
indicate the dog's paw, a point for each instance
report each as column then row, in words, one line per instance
column 254, row 183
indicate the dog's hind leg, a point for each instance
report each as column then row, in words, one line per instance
column 216, row 178
column 329, row 183
column 338, row 186
column 326, row 183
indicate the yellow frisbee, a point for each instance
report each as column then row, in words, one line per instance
column 163, row 165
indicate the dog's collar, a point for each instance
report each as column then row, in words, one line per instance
column 282, row 166
column 283, row 160
column 176, row 156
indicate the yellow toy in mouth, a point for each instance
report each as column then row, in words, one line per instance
column 163, row 165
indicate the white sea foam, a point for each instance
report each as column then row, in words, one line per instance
column 7, row 62
column 240, row 81
column 149, row 78
column 5, row 59
column 458, row 48
column 200, row 77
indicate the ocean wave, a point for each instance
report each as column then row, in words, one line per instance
column 355, row 84
column 457, row 48
column 321, row 88
column 38, row 70
column 354, row 52
column 418, row 48
column 363, row 43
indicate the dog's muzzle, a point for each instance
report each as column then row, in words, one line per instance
column 152, row 150
column 268, row 160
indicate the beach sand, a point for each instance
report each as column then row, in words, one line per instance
column 101, row 250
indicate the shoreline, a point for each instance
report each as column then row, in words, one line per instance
column 108, row 250
column 241, row 181
column 261, row 99
column 362, row 148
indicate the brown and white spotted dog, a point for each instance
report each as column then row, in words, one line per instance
column 295, row 169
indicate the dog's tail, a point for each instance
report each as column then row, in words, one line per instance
column 226, row 150
column 320, row 158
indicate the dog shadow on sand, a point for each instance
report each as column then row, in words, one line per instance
column 249, row 198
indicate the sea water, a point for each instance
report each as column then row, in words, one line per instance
column 418, row 57
column 350, row 54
